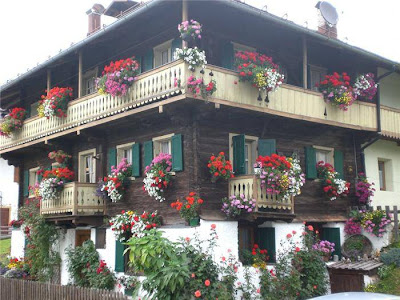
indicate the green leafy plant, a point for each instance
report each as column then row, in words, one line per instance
column 391, row 257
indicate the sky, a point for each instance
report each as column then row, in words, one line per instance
column 30, row 31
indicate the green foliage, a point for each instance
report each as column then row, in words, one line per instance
column 389, row 284
column 5, row 248
column 391, row 257
column 385, row 271
column 100, row 277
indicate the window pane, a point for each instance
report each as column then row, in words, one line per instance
column 382, row 183
column 246, row 157
column 322, row 156
column 164, row 57
column 164, row 147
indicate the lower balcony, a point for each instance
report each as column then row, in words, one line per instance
column 267, row 206
column 77, row 205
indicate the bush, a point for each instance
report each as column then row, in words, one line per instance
column 391, row 257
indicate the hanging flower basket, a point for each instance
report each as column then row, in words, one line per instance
column 190, row 30
column 158, row 176
column 55, row 102
column 220, row 167
column 332, row 186
column 365, row 87
column 193, row 56
column 13, row 121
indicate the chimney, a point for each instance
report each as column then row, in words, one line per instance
column 327, row 19
column 94, row 18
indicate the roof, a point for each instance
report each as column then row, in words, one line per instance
column 366, row 266
column 143, row 7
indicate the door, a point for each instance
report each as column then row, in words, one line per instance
column 81, row 236
column 4, row 220
column 346, row 282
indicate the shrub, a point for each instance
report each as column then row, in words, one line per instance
column 391, row 257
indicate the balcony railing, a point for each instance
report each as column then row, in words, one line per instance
column 76, row 199
column 250, row 186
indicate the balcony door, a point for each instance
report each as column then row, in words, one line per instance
column 87, row 166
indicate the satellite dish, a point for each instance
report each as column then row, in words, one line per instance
column 328, row 12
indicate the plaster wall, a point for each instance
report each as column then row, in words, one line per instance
column 17, row 243
column 390, row 89
column 9, row 188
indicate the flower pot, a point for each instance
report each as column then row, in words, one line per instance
column 60, row 160
column 194, row 222
column 186, row 37
column 129, row 292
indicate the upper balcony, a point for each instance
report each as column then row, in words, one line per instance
column 159, row 84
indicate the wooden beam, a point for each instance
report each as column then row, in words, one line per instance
column 80, row 74
column 305, row 62
column 161, row 109
column 185, row 17
column 48, row 80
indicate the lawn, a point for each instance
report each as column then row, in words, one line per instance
column 5, row 248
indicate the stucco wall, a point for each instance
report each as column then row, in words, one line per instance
column 17, row 243
column 9, row 188
column 390, row 89
column 390, row 152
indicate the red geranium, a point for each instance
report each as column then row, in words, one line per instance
column 188, row 208
column 220, row 167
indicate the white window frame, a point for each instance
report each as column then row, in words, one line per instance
column 120, row 151
column 321, row 70
column 158, row 50
column 388, row 175
column 330, row 152
column 81, row 163
column 249, row 139
column 88, row 75
column 34, row 112
column 33, row 174
column 157, row 143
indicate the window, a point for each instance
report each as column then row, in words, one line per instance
column 125, row 151
column 240, row 47
column 33, row 179
column 250, row 152
column 87, row 166
column 382, row 175
column 324, row 154
column 163, row 144
column 162, row 54
column 89, row 82
column 317, row 74
column 101, row 238
column 34, row 107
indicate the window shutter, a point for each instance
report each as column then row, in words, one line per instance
column 148, row 61
column 266, row 147
column 148, row 152
column 139, row 60
column 338, row 159
column 176, row 43
column 111, row 158
column 40, row 177
column 177, row 153
column 266, row 240
column 26, row 183
column 333, row 235
column 136, row 160
column 311, row 163
column 238, row 154
column 227, row 56
column 119, row 257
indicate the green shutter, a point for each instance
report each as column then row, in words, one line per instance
column 111, row 158
column 26, row 183
column 238, row 154
column 311, row 163
column 228, row 54
column 176, row 43
column 40, row 177
column 136, row 160
column 139, row 60
column 148, row 153
column 119, row 257
column 177, row 152
column 266, row 147
column 338, row 158
column 148, row 61
column 333, row 235
column 266, row 240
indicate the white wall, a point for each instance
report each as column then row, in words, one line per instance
column 385, row 150
column 67, row 238
column 390, row 89
column 9, row 188
column 17, row 243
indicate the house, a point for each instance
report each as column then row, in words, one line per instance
column 159, row 114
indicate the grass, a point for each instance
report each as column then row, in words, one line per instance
column 5, row 248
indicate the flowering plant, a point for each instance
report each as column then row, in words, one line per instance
column 352, row 227
column 197, row 87
column 190, row 29
column 13, row 121
column 374, row 222
column 158, row 177
column 118, row 76
column 365, row 86
column 53, row 182
column 256, row 257
column 235, row 205
column 220, row 167
column 113, row 186
column 55, row 103
column 280, row 175
column 193, row 56
column 332, row 186
column 129, row 223
column 128, row 282
column 337, row 90
column 59, row 156
column 325, row 247
column 364, row 189
column 188, row 208
column 16, row 223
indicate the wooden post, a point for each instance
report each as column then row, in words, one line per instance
column 396, row 223
column 80, row 74
column 185, row 17
column 48, row 80
column 305, row 62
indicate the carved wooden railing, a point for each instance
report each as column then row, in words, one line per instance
column 75, row 199
column 250, row 187
column 150, row 87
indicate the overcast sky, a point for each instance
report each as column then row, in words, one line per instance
column 32, row 30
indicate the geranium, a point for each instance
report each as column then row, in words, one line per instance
column 220, row 167
column 113, row 186
column 128, row 282
column 190, row 29
column 16, row 223
column 197, row 87
column 55, row 103
column 352, row 227
column 13, row 121
column 59, row 156
column 53, row 182
column 118, row 76
column 235, row 205
column 260, row 257
column 365, row 87
column 337, row 90
column 188, row 208
column 333, row 186
column 193, row 56
column 364, row 189
column 280, row 175
column 158, row 176
column 375, row 222
column 325, row 247
column 128, row 223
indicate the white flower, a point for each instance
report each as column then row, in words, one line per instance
column 193, row 56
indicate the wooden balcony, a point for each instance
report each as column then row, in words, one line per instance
column 266, row 205
column 77, row 203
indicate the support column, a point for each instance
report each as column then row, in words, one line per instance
column 305, row 62
column 80, row 74
column 185, row 17
column 48, row 80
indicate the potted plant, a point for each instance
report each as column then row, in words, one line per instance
column 53, row 182
column 13, row 121
column 364, row 189
column 220, row 167
column 189, row 208
column 158, row 176
column 16, row 224
column 129, row 283
column 325, row 247
column 365, row 87
column 59, row 156
column 190, row 30
column 113, row 186
column 332, row 186
column 193, row 56
column 55, row 102
column 234, row 206
column 198, row 87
